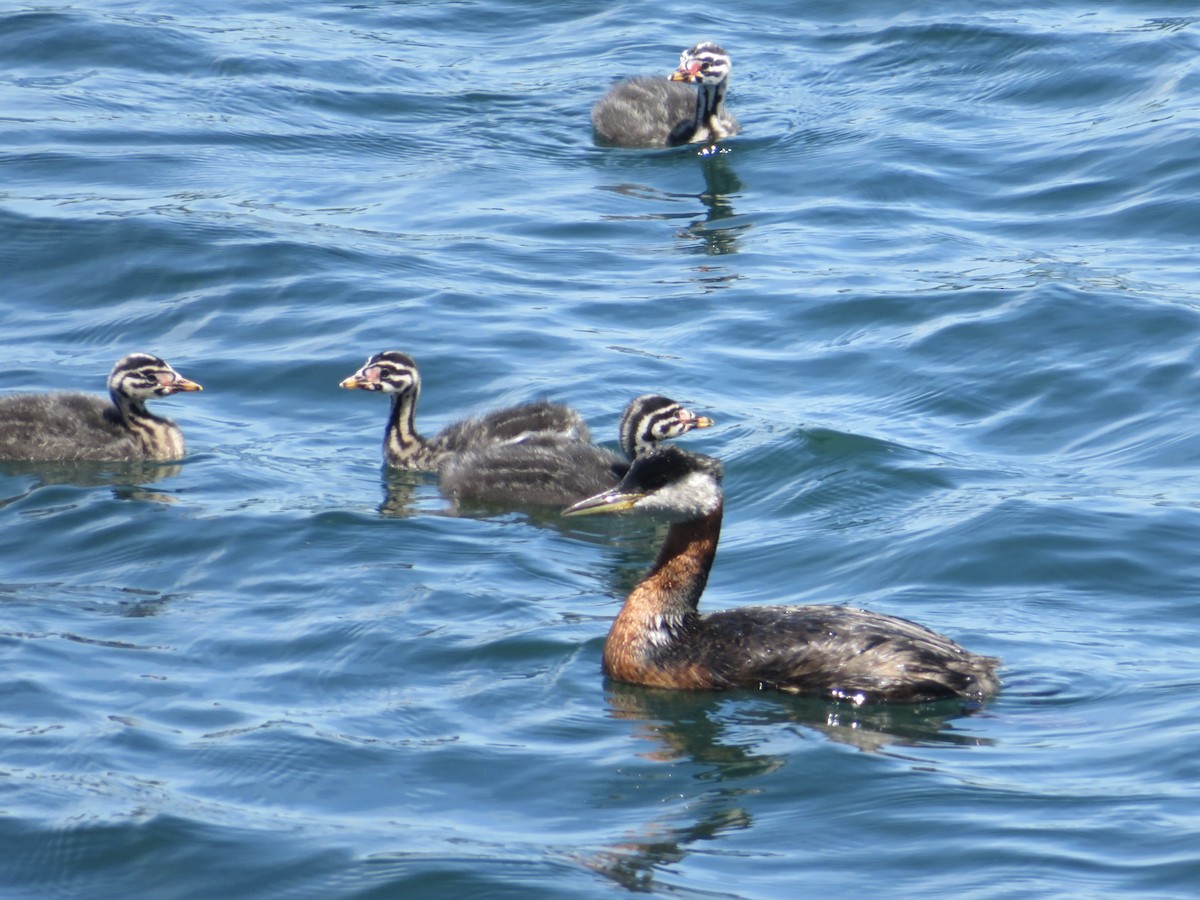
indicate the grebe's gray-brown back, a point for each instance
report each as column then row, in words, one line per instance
column 395, row 373
column 552, row 472
column 660, row 639
column 75, row 427
column 649, row 111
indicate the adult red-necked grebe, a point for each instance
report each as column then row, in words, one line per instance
column 74, row 427
column 660, row 639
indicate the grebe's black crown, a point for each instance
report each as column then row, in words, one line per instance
column 667, row 466
column 139, row 361
column 391, row 358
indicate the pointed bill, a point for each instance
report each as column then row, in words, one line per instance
column 611, row 501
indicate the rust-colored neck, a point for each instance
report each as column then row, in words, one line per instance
column 680, row 573
column 649, row 641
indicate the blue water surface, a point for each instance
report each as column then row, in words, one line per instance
column 940, row 296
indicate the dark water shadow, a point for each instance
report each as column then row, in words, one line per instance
column 127, row 479
column 101, row 599
column 708, row 730
column 400, row 489
column 404, row 494
column 693, row 725
column 639, row 863
column 718, row 231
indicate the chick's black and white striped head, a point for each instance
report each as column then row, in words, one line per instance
column 669, row 484
column 705, row 63
column 652, row 418
column 141, row 376
column 391, row 371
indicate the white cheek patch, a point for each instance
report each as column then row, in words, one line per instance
column 705, row 493
column 696, row 494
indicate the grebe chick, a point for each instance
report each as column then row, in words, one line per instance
column 650, row 419
column 659, row 638
column 395, row 373
column 651, row 111
column 64, row 427
column 555, row 472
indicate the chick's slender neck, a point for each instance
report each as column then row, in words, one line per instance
column 158, row 437
column 401, row 438
column 129, row 408
column 710, row 108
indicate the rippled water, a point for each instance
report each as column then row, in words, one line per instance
column 940, row 297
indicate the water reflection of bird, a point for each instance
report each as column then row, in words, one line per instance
column 551, row 472
column 703, row 726
column 648, row 111
column 705, row 734
column 395, row 373
column 73, row 427
column 660, row 639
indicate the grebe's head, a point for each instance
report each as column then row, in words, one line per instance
column 391, row 371
column 652, row 418
column 141, row 376
column 705, row 63
column 669, row 484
